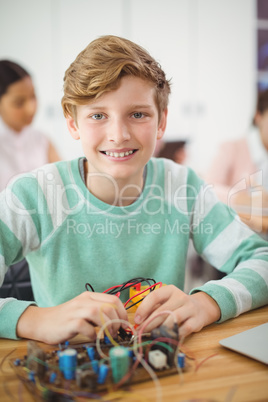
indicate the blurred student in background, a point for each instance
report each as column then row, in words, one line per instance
column 239, row 172
column 22, row 147
column 174, row 150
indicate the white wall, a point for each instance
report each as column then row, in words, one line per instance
column 207, row 47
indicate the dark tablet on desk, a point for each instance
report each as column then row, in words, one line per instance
column 252, row 343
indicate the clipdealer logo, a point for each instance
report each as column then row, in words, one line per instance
column 156, row 201
column 56, row 194
column 132, row 226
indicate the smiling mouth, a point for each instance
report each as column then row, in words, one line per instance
column 119, row 154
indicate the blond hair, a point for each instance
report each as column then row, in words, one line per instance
column 100, row 67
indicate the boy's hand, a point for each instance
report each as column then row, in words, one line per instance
column 192, row 312
column 80, row 315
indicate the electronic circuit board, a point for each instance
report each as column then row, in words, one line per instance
column 88, row 373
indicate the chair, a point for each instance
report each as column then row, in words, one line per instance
column 17, row 282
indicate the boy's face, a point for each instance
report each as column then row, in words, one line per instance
column 119, row 130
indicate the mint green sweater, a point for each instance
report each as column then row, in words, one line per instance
column 69, row 238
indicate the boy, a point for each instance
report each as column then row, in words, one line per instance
column 118, row 214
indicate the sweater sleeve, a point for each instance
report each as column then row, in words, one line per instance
column 20, row 234
column 32, row 208
column 229, row 245
column 10, row 312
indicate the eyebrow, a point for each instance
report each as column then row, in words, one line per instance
column 134, row 106
column 142, row 106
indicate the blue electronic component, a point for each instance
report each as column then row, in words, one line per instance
column 31, row 376
column 91, row 352
column 131, row 353
column 119, row 360
column 181, row 360
column 106, row 340
column 95, row 366
column 52, row 377
column 68, row 363
column 103, row 372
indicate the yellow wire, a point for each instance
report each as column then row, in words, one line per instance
column 98, row 346
column 39, row 386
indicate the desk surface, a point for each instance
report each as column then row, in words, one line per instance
column 225, row 377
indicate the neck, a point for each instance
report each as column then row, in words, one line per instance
column 16, row 129
column 114, row 191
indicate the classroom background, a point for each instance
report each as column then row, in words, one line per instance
column 207, row 47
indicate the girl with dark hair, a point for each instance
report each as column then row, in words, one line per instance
column 22, row 148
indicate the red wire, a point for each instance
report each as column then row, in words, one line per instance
column 204, row 360
column 113, row 287
column 132, row 297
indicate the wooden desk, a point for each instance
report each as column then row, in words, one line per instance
column 226, row 377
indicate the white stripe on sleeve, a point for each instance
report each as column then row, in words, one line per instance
column 18, row 220
column 229, row 240
column 54, row 191
column 240, row 293
column 258, row 266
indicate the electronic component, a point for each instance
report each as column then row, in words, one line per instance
column 68, row 363
column 52, row 377
column 91, row 352
column 96, row 367
column 181, row 360
column 124, row 335
column 103, row 372
column 119, row 360
column 157, row 359
column 167, row 333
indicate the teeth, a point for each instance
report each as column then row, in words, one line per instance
column 119, row 154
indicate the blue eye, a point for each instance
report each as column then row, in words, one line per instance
column 138, row 115
column 97, row 116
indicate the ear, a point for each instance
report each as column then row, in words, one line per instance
column 162, row 124
column 72, row 127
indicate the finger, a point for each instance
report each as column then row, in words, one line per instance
column 113, row 300
column 169, row 317
column 97, row 314
column 166, row 298
column 110, row 318
column 180, row 315
column 162, row 316
column 99, row 308
column 150, row 304
column 151, row 323
column 188, row 327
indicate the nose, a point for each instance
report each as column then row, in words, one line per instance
column 118, row 131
